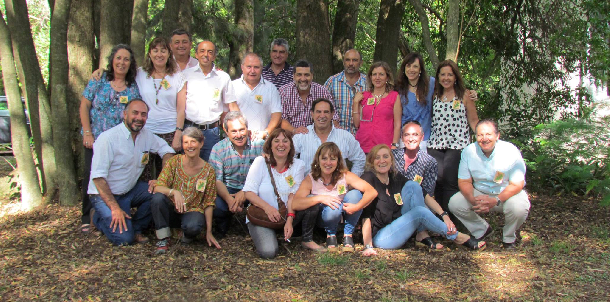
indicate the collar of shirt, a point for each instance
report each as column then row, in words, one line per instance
column 212, row 72
column 482, row 155
column 286, row 66
column 125, row 131
column 247, row 147
column 311, row 130
column 361, row 80
column 261, row 82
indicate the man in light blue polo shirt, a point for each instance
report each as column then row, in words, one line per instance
column 491, row 178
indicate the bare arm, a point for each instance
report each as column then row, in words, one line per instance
column 85, row 106
column 471, row 111
column 356, row 109
column 165, row 158
column 221, row 190
column 208, row 212
column 233, row 106
column 274, row 122
column 368, row 192
column 511, row 190
column 286, row 126
column 467, row 189
column 302, row 202
column 397, row 120
column 367, row 232
column 180, row 115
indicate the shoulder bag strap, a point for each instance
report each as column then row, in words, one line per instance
column 277, row 195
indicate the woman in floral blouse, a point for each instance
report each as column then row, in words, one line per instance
column 184, row 194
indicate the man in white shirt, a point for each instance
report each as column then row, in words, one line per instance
column 181, row 44
column 119, row 157
column 207, row 91
column 257, row 98
column 323, row 130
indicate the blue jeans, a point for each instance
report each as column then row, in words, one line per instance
column 211, row 137
column 222, row 214
column 138, row 197
column 329, row 218
column 415, row 217
column 165, row 216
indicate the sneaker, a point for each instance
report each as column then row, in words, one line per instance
column 162, row 246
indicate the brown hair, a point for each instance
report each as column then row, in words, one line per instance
column 267, row 146
column 423, row 83
column 459, row 81
column 170, row 66
column 390, row 83
column 333, row 150
column 370, row 158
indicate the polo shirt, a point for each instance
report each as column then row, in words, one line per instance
column 206, row 95
column 490, row 175
column 343, row 94
column 232, row 168
column 282, row 78
column 120, row 160
column 257, row 104
column 424, row 165
column 295, row 111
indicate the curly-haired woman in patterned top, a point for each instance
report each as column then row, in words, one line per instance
column 184, row 194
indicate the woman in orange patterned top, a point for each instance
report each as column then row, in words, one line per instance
column 184, row 194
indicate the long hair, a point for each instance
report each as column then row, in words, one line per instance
column 333, row 150
column 458, row 86
column 267, row 146
column 390, row 83
column 369, row 165
column 423, row 83
column 170, row 66
column 130, row 77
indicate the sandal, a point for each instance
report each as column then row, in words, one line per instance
column 429, row 244
column 473, row 244
column 348, row 244
column 85, row 228
column 331, row 243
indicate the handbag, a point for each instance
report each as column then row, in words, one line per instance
column 257, row 215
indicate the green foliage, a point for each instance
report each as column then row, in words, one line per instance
column 333, row 259
column 570, row 156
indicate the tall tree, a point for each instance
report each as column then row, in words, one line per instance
column 111, row 29
column 66, row 175
column 177, row 14
column 425, row 28
column 313, row 36
column 35, row 91
column 28, row 180
column 344, row 31
column 453, row 30
column 388, row 31
column 138, row 30
column 241, row 40
column 261, row 32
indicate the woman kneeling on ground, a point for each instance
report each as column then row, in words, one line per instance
column 327, row 186
column 184, row 194
column 399, row 210
column 288, row 173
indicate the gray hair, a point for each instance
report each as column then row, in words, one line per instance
column 193, row 132
column 234, row 115
column 280, row 42
column 252, row 54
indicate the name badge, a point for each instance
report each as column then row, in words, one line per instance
column 341, row 189
column 398, row 199
column 290, row 180
column 499, row 176
column 456, row 104
column 145, row 158
column 258, row 98
column 216, row 93
column 165, row 84
column 124, row 99
column 418, row 179
column 201, row 185
column 370, row 101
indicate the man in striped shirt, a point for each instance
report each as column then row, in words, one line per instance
column 322, row 130
column 344, row 85
column 298, row 96
column 231, row 159
column 278, row 72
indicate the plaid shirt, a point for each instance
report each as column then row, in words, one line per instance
column 282, row 78
column 293, row 109
column 230, row 167
column 424, row 165
column 343, row 94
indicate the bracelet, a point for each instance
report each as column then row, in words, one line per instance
column 368, row 246
column 291, row 215
column 178, row 128
column 355, row 112
column 444, row 214
column 170, row 192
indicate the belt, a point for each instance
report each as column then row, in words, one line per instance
column 206, row 126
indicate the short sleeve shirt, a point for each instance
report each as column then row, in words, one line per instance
column 383, row 209
column 160, row 96
column 206, row 95
column 424, row 166
column 449, row 125
column 490, row 175
column 295, row 111
column 257, row 104
column 344, row 94
column 232, row 168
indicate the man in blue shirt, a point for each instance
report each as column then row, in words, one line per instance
column 491, row 178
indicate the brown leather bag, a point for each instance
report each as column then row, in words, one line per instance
column 257, row 215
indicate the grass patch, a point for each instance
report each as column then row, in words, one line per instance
column 363, row 274
column 601, row 232
column 536, row 241
column 561, row 247
column 333, row 259
column 380, row 265
column 405, row 275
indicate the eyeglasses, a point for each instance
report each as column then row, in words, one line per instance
column 372, row 113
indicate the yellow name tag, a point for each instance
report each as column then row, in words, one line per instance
column 418, row 179
column 341, row 189
column 290, row 180
column 456, row 104
column 165, row 84
column 498, row 177
column 398, row 199
column 145, row 158
column 259, row 98
column 216, row 93
column 370, row 101
column 124, row 99
column 201, row 185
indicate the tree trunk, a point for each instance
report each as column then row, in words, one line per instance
column 28, row 179
column 425, row 29
column 171, row 12
column 81, row 53
column 241, row 41
column 344, row 31
column 261, row 32
column 138, row 30
column 111, row 29
column 186, row 14
column 36, row 92
column 453, row 29
column 313, row 36
column 388, row 31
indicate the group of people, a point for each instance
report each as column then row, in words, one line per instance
column 362, row 148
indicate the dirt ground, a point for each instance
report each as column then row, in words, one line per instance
column 564, row 256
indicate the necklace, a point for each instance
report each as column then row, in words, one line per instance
column 327, row 184
column 412, row 85
column 157, row 89
column 116, row 87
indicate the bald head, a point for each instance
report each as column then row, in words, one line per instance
column 206, row 54
column 251, row 69
column 352, row 61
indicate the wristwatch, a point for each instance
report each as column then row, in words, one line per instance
column 178, row 128
column 499, row 201
column 368, row 246
column 395, row 145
